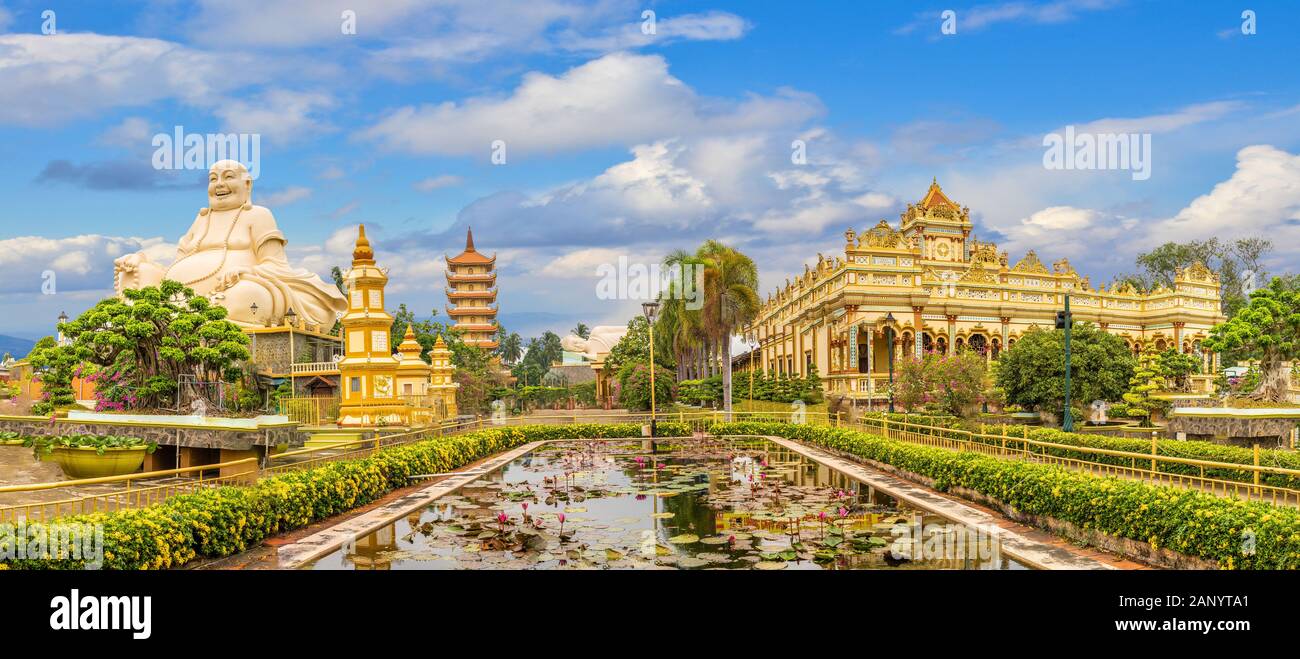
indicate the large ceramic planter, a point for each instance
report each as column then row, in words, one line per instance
column 88, row 463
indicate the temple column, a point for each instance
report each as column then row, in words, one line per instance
column 1178, row 336
column 917, row 343
column 871, row 340
column 952, row 334
column 1006, row 331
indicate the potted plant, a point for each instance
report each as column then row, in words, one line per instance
column 92, row 456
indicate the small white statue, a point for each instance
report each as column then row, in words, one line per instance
column 1099, row 408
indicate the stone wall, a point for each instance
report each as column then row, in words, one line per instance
column 184, row 436
column 1242, row 431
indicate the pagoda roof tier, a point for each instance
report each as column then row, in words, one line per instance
column 471, row 311
column 490, row 294
column 490, row 345
column 471, row 256
column 454, row 278
column 475, row 327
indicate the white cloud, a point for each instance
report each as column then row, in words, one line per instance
column 282, row 114
column 285, row 197
column 1261, row 198
column 79, row 263
column 980, row 17
column 438, row 182
column 710, row 26
column 48, row 79
column 133, row 133
column 618, row 99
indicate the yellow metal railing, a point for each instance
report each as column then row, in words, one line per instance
column 137, row 490
column 1149, row 467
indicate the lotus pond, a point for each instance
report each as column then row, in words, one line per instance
column 717, row 504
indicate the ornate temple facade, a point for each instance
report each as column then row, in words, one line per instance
column 933, row 286
column 471, row 291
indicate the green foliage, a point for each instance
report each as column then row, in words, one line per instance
column 635, row 347
column 634, row 386
column 45, row 444
column 1032, row 372
column 1146, row 380
column 162, row 332
column 223, row 521
column 56, row 366
column 1267, row 329
column 951, row 384
column 1176, row 366
column 1183, row 520
column 706, row 392
column 1231, row 261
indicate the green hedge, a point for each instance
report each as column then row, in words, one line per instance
column 1187, row 521
column 1189, row 449
column 224, row 521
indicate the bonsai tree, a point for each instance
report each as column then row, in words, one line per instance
column 1267, row 330
column 154, row 336
column 56, row 366
column 1176, row 366
column 1032, row 372
column 1138, row 403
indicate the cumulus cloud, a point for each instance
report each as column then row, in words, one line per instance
column 78, row 263
column 1261, row 198
column 619, row 99
column 280, row 114
column 45, row 79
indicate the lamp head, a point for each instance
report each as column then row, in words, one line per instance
column 650, row 310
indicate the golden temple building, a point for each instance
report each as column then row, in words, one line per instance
column 471, row 290
column 935, row 287
column 368, row 370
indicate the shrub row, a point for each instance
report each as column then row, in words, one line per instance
column 1189, row 449
column 1236, row 533
column 223, row 521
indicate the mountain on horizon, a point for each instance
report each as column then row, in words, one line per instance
column 15, row 346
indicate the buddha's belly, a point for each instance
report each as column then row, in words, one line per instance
column 203, row 270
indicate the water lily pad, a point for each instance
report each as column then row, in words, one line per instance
column 684, row 539
column 769, row 565
column 664, row 515
column 691, row 562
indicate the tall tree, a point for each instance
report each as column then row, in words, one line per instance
column 730, row 301
column 1031, row 373
column 1266, row 329
column 678, row 330
column 582, row 330
column 511, row 348
column 1238, row 264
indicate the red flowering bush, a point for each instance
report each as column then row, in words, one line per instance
column 950, row 384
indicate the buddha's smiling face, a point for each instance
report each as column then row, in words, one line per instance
column 229, row 185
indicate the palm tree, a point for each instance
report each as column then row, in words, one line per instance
column 582, row 330
column 730, row 301
column 679, row 331
column 511, row 348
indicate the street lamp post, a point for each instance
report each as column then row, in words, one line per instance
column 651, row 311
column 889, row 340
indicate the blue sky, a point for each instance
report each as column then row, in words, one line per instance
column 623, row 144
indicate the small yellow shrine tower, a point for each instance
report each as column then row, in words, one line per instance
column 442, row 386
column 368, row 370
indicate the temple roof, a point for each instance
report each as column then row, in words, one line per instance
column 471, row 256
column 934, row 197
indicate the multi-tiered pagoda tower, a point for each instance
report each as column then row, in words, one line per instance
column 471, row 282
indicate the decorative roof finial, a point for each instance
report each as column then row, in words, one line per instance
column 362, row 254
column 469, row 239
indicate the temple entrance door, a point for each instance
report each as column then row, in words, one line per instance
column 979, row 343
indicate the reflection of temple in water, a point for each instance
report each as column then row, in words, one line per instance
column 374, row 551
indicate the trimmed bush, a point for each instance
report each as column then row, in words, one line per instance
column 1187, row 521
column 224, row 521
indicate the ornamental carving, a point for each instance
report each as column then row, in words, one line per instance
column 978, row 274
column 1030, row 264
column 1063, row 267
column 882, row 235
column 1198, row 272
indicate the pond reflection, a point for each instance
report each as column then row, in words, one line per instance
column 744, row 504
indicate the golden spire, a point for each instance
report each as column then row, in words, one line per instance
column 469, row 239
column 439, row 343
column 362, row 254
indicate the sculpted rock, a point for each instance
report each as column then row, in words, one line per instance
column 233, row 254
